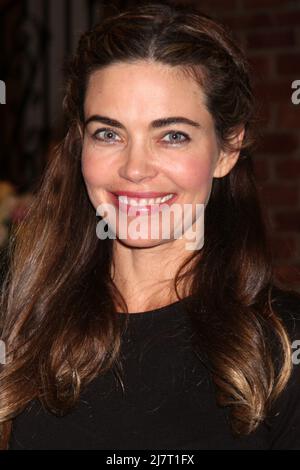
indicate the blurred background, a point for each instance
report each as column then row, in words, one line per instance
column 36, row 37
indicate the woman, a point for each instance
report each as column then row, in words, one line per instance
column 142, row 342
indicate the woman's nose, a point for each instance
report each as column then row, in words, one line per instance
column 138, row 164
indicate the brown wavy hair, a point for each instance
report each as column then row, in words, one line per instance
column 59, row 300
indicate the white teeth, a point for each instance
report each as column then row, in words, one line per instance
column 143, row 201
column 165, row 198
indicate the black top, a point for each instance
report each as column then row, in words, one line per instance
column 168, row 402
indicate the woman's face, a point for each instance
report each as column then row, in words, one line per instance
column 139, row 152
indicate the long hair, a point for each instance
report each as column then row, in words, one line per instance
column 59, row 301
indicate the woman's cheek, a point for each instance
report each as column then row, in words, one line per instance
column 92, row 169
column 196, row 173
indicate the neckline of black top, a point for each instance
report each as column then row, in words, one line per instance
column 170, row 308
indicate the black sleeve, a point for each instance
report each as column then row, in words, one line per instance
column 286, row 421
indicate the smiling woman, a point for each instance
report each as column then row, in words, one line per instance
column 139, row 343
column 148, row 163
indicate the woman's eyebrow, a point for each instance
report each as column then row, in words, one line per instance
column 157, row 123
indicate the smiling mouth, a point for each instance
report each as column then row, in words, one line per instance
column 141, row 203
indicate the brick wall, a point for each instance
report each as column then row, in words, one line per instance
column 269, row 32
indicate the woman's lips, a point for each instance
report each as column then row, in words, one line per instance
column 136, row 210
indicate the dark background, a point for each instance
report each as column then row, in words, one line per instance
column 36, row 36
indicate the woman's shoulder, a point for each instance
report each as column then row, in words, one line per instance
column 285, row 429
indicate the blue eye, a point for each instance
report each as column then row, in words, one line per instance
column 108, row 131
column 177, row 141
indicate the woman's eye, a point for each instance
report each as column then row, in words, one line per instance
column 174, row 137
column 107, row 135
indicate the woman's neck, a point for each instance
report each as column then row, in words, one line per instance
column 145, row 277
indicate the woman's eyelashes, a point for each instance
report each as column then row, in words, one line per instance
column 101, row 139
column 176, row 141
column 107, row 137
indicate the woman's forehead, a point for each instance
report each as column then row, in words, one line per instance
column 146, row 88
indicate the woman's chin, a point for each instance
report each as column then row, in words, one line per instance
column 141, row 242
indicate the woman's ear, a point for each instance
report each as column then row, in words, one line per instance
column 227, row 159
